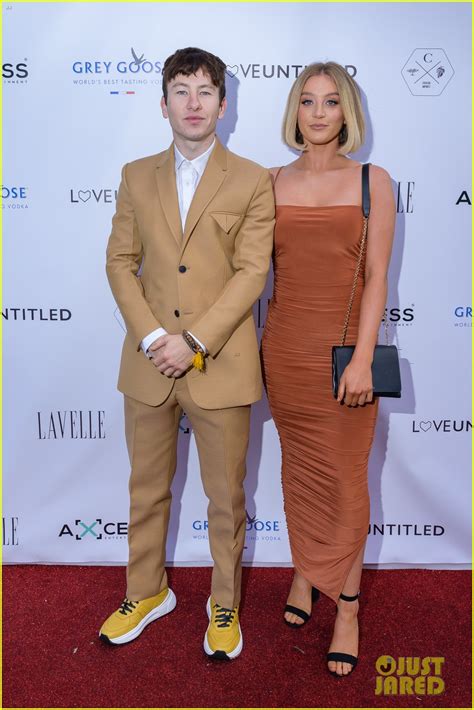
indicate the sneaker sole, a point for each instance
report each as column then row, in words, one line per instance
column 167, row 605
column 221, row 655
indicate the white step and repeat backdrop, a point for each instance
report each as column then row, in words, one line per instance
column 81, row 88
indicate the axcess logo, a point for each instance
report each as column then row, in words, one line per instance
column 14, row 197
column 95, row 529
column 399, row 316
column 137, row 70
column 464, row 198
column 15, row 72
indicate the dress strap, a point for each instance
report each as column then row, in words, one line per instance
column 276, row 176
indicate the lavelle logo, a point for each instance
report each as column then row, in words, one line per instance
column 273, row 71
column 96, row 196
column 125, row 72
column 14, row 197
column 409, row 675
column 463, row 316
column 443, row 426
column 405, row 192
column 15, row 72
column 95, row 529
column 71, row 424
column 406, row 529
column 37, row 314
column 10, row 532
column 427, row 71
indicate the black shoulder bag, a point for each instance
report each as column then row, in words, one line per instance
column 386, row 380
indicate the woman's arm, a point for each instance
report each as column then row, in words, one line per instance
column 356, row 382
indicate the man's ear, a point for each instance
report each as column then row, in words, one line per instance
column 222, row 108
column 164, row 108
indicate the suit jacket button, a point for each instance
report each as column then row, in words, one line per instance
column 176, row 313
column 182, row 269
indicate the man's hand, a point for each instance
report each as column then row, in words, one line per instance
column 170, row 355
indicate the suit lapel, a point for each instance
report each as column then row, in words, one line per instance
column 166, row 183
column 211, row 180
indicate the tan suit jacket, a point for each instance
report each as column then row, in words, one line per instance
column 205, row 280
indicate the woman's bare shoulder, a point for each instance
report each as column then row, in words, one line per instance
column 379, row 176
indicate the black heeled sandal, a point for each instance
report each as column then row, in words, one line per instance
column 300, row 612
column 343, row 657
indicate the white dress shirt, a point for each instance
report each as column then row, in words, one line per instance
column 188, row 173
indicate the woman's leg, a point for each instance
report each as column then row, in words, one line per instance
column 346, row 628
column 300, row 597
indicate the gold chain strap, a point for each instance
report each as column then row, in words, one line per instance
column 356, row 276
column 363, row 241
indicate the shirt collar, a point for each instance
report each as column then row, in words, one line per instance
column 199, row 163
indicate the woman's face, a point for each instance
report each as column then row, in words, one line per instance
column 320, row 117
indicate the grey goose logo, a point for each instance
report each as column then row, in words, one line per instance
column 137, row 60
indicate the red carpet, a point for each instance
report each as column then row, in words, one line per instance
column 53, row 657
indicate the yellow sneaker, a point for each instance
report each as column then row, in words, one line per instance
column 128, row 622
column 223, row 639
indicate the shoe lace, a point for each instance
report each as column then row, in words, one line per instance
column 127, row 606
column 224, row 617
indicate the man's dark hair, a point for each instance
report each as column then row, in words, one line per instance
column 188, row 61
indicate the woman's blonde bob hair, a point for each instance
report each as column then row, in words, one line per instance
column 352, row 136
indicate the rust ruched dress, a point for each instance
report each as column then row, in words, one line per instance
column 325, row 445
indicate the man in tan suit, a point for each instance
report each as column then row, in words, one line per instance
column 187, row 258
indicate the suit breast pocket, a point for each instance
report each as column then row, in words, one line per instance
column 226, row 220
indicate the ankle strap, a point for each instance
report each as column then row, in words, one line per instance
column 349, row 599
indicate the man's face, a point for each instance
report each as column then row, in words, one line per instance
column 193, row 106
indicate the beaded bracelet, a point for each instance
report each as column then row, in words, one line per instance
column 198, row 360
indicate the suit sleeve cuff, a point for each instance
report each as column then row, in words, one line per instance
column 149, row 339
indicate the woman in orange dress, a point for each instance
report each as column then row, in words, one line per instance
column 326, row 441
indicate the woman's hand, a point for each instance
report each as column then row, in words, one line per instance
column 355, row 386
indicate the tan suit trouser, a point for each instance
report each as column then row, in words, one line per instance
column 222, row 440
